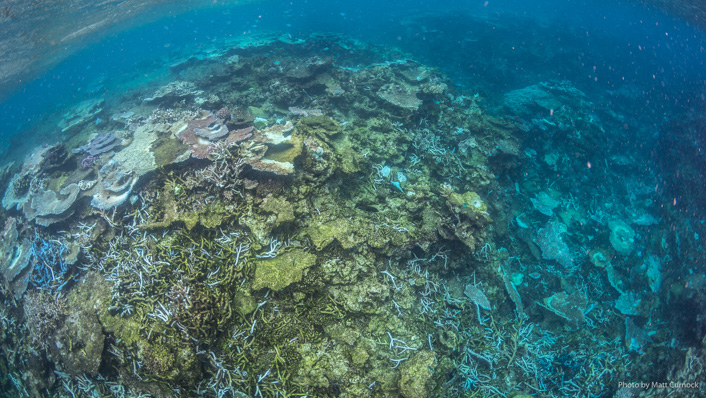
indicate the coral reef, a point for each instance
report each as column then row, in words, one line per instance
column 80, row 115
column 278, row 223
column 114, row 185
column 551, row 240
column 15, row 254
column 100, row 144
column 46, row 208
column 400, row 95
column 174, row 91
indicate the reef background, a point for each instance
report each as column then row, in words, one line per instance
column 321, row 200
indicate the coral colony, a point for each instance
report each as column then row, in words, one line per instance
column 278, row 223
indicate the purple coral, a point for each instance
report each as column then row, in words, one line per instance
column 223, row 114
column 102, row 143
column 88, row 161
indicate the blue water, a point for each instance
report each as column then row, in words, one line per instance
column 625, row 44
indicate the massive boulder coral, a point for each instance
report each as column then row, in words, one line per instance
column 237, row 118
column 571, row 307
column 416, row 375
column 327, row 148
column 273, row 149
column 307, row 68
column 550, row 240
column 281, row 271
column 531, row 100
column 473, row 216
column 622, row 237
column 17, row 192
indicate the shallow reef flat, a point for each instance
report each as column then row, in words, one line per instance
column 320, row 217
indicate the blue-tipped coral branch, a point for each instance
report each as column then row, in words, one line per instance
column 50, row 266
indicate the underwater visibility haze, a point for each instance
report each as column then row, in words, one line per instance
column 352, row 199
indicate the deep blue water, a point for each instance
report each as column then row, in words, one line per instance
column 607, row 45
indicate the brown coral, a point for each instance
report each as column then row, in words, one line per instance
column 202, row 135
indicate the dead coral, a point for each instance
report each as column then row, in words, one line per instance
column 14, row 258
column 100, row 144
column 46, row 207
column 174, row 91
column 401, row 96
column 114, row 186
column 202, row 135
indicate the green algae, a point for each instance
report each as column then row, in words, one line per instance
column 322, row 233
column 167, row 149
column 280, row 207
column 283, row 270
column 468, row 203
column 93, row 295
column 416, row 374
column 329, row 135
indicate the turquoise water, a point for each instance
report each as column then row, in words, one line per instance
column 627, row 44
column 482, row 199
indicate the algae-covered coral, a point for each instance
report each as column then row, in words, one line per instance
column 286, row 224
